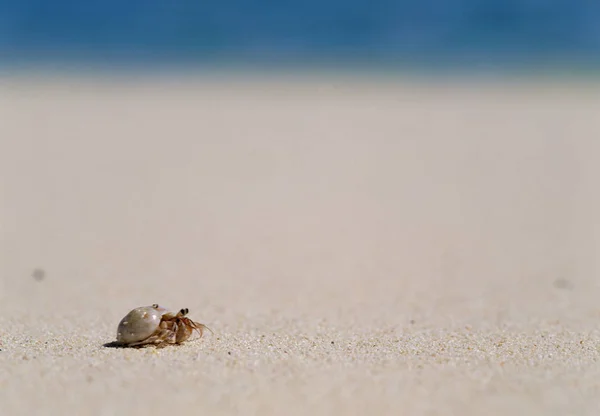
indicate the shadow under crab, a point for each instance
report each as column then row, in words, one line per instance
column 114, row 344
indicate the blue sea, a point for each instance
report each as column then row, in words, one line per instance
column 351, row 32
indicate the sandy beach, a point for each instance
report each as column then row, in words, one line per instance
column 357, row 246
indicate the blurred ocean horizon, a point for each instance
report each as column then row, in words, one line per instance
column 426, row 33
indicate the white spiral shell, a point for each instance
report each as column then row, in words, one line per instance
column 140, row 323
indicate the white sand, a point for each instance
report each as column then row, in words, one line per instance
column 357, row 247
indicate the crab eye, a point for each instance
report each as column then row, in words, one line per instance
column 155, row 305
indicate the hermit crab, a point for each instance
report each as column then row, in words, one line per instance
column 155, row 325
